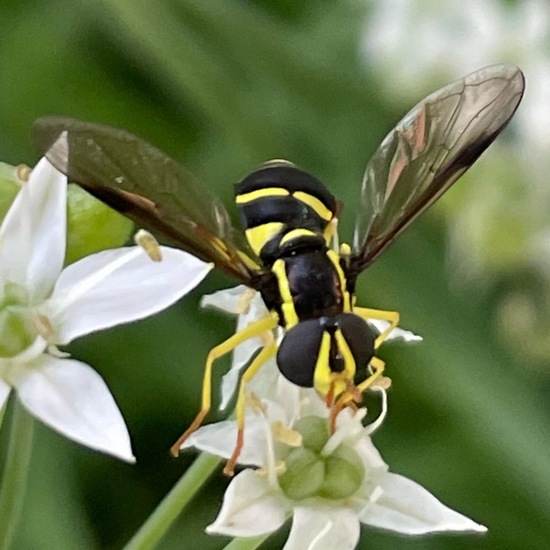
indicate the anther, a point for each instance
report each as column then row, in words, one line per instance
column 43, row 326
column 383, row 383
column 286, row 435
column 23, row 172
column 245, row 299
column 151, row 246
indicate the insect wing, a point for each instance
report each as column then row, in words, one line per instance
column 432, row 146
column 141, row 182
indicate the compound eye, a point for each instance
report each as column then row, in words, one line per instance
column 359, row 337
column 298, row 352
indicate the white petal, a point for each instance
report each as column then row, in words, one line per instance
column 396, row 334
column 408, row 508
column 119, row 286
column 318, row 529
column 4, row 394
column 269, row 384
column 34, row 231
column 220, row 438
column 241, row 356
column 228, row 300
column 251, row 507
column 249, row 306
column 311, row 403
column 369, row 453
column 70, row 397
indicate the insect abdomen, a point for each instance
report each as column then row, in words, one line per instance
column 278, row 198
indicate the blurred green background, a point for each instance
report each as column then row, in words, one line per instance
column 224, row 86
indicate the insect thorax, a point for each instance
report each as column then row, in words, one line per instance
column 286, row 214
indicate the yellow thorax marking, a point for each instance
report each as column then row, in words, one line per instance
column 335, row 259
column 289, row 312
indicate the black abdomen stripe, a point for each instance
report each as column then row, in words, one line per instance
column 289, row 178
column 288, row 210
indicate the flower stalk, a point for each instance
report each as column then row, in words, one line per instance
column 14, row 478
column 166, row 513
column 246, row 543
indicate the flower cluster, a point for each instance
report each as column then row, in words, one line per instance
column 328, row 483
column 43, row 306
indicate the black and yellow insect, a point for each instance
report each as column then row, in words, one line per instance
column 289, row 218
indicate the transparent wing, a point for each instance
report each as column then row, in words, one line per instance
column 144, row 184
column 434, row 144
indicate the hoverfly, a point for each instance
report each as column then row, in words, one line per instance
column 289, row 219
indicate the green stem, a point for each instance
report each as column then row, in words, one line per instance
column 248, row 543
column 14, row 478
column 158, row 523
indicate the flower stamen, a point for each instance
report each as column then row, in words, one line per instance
column 151, row 246
column 23, row 172
column 245, row 300
column 286, row 435
column 43, row 326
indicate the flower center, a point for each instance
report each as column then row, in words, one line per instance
column 309, row 473
column 16, row 329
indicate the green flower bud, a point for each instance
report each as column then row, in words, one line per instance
column 344, row 474
column 9, row 188
column 314, row 431
column 17, row 334
column 304, row 474
column 93, row 226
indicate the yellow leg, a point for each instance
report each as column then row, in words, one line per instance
column 348, row 396
column 391, row 316
column 252, row 330
column 267, row 352
column 378, row 367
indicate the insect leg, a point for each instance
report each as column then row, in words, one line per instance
column 267, row 352
column 252, row 330
column 349, row 396
column 391, row 316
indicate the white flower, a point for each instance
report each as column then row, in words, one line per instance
column 249, row 306
column 328, row 483
column 43, row 305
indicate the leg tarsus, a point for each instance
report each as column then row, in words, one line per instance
column 252, row 330
column 266, row 353
column 349, row 396
column 391, row 316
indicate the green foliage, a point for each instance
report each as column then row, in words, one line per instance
column 9, row 186
column 92, row 225
column 224, row 86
